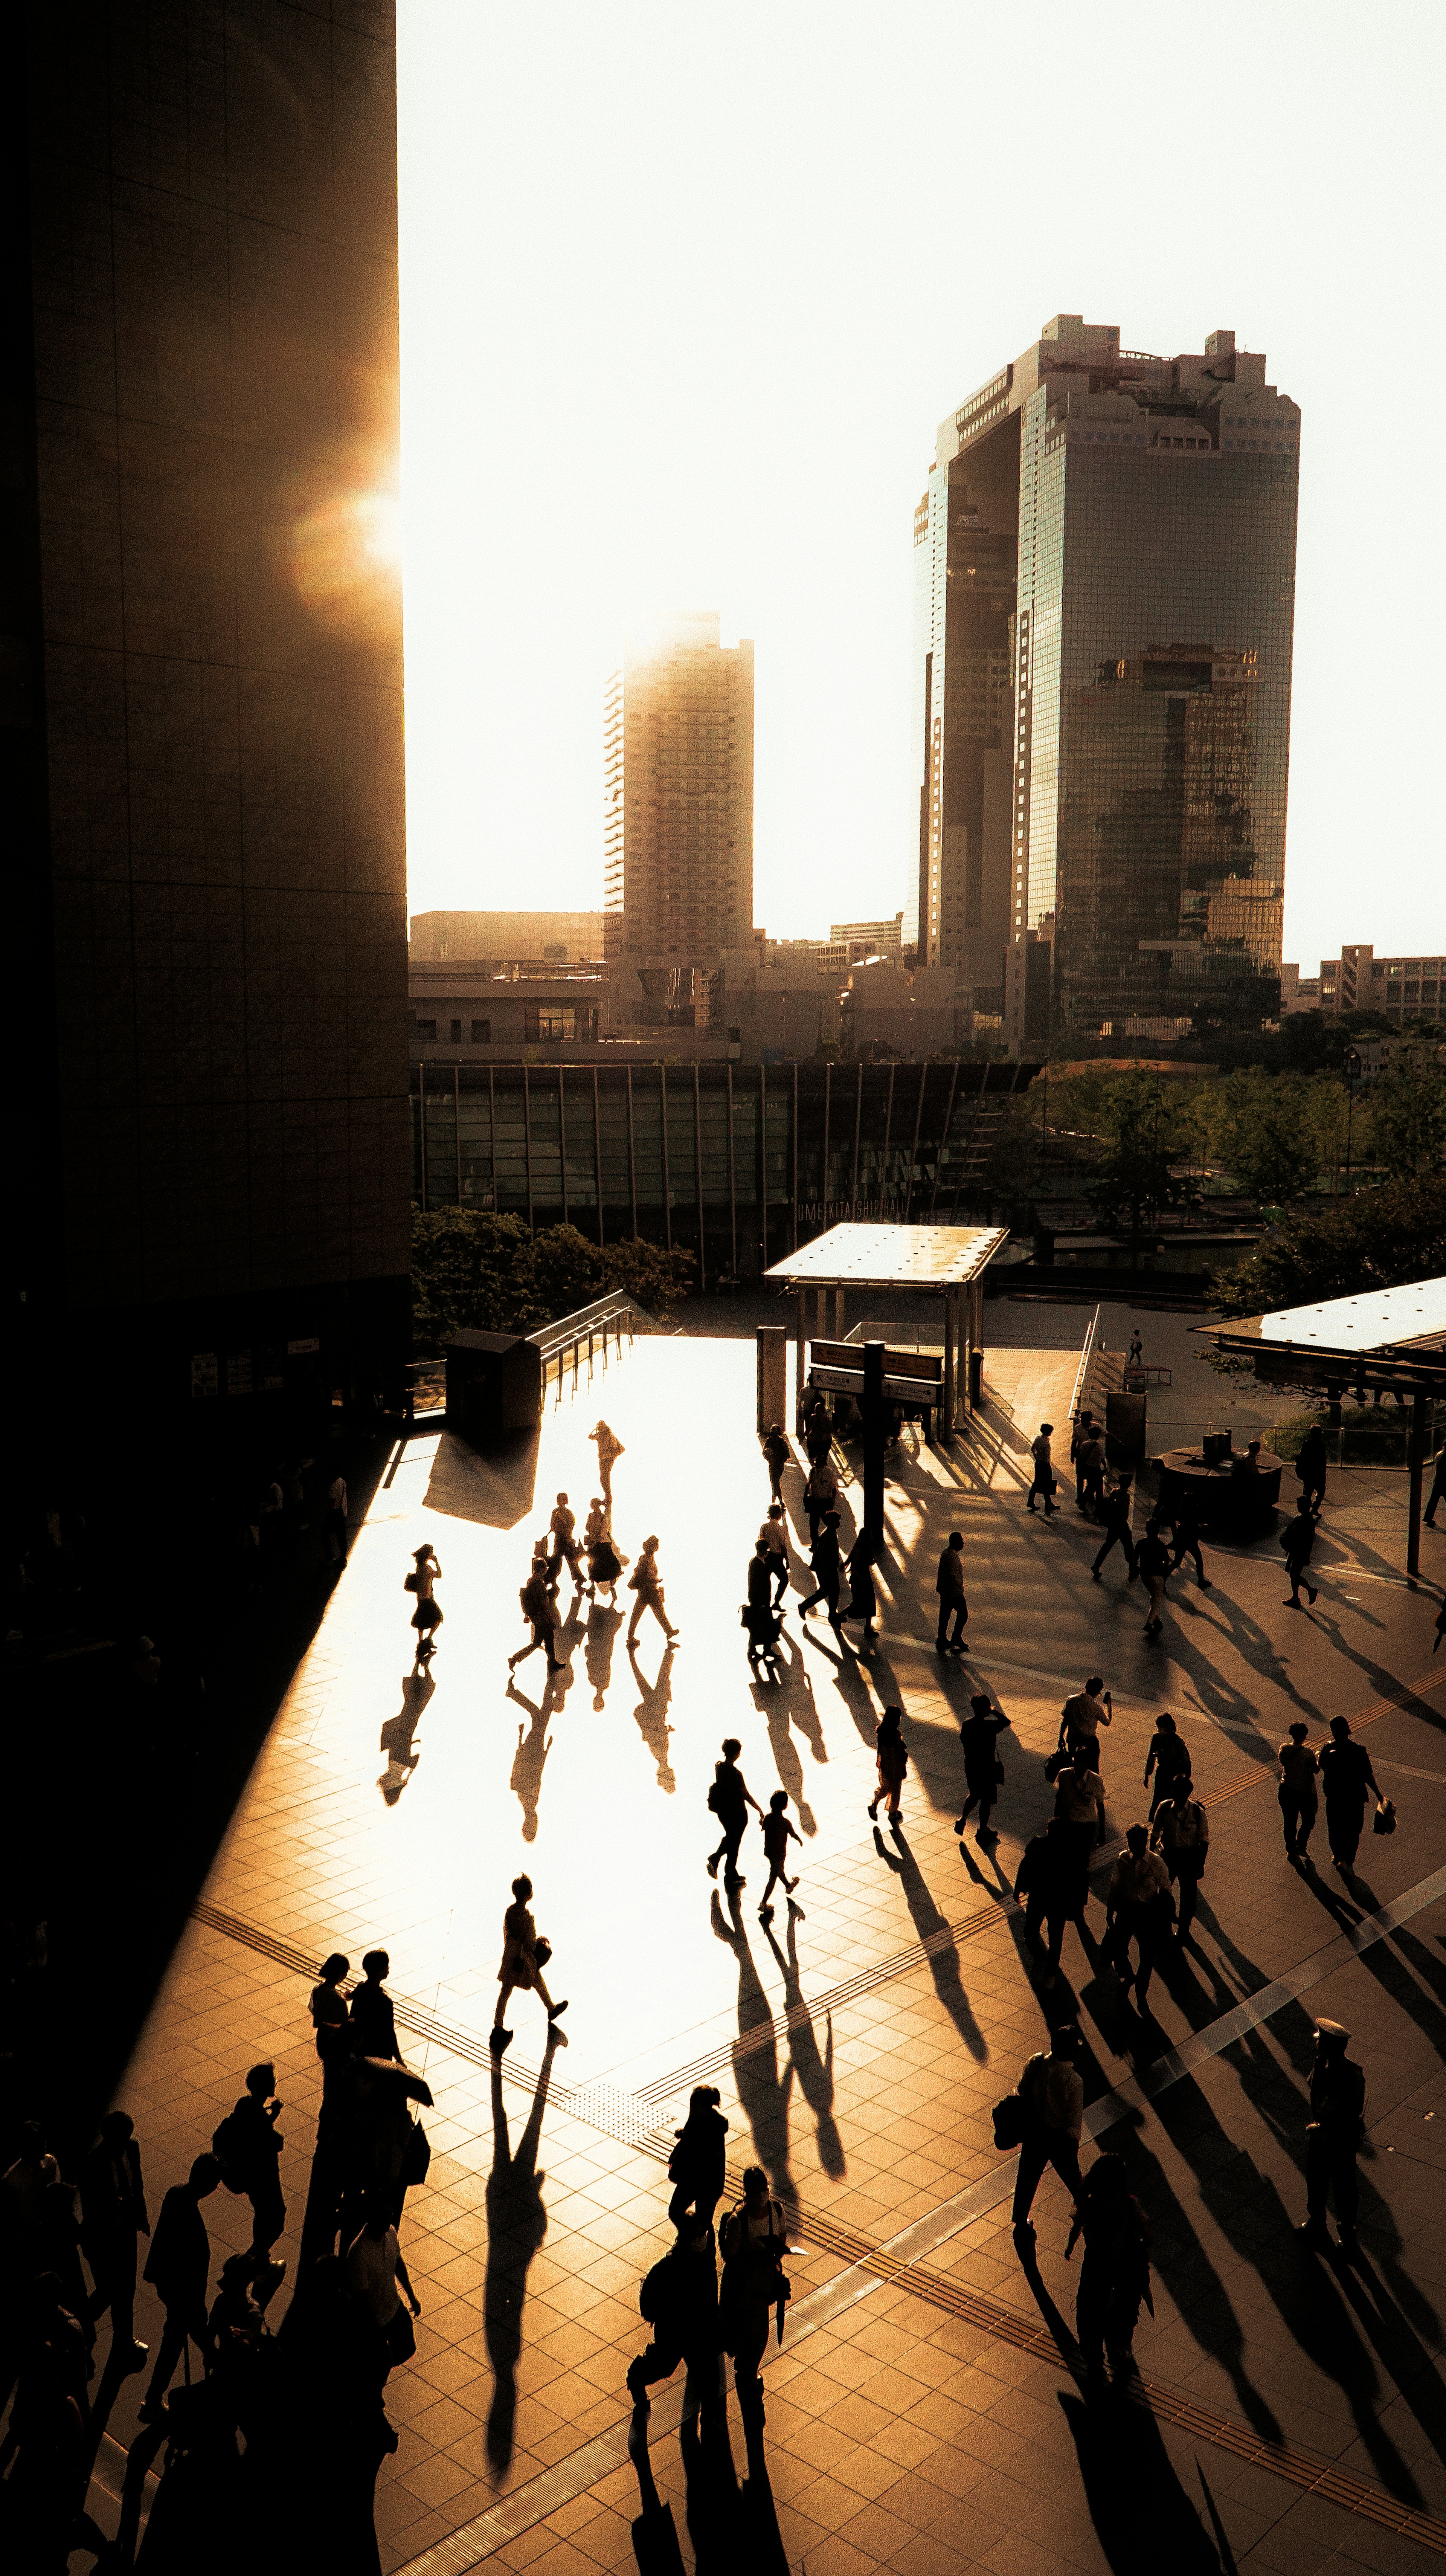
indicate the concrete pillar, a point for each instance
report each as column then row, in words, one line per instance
column 772, row 1375
column 873, row 1413
column 801, row 1373
column 946, row 1424
column 1416, row 1461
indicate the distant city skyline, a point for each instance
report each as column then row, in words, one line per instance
column 672, row 340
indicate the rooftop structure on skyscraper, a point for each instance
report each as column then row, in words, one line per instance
column 1104, row 600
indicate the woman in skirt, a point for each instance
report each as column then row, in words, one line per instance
column 427, row 1616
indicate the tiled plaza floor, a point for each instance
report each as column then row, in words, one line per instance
column 926, row 2422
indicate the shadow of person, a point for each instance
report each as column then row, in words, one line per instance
column 1413, row 2368
column 814, row 2070
column 533, row 1747
column 397, row 1736
column 597, row 1646
column 776, row 1713
column 929, row 1923
column 762, row 2093
column 655, row 2538
column 516, row 2226
column 1178, row 2258
column 651, row 1713
column 1132, row 2489
column 730, row 2527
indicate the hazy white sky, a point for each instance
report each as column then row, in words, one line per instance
column 686, row 290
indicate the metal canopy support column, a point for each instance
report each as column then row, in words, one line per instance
column 1417, row 1444
column 873, row 1413
column 949, row 1377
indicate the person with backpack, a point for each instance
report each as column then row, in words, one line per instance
column 755, row 2288
column 1051, row 2098
column 1299, row 1804
column 1169, row 1758
column 891, row 1761
column 778, row 1832
column 248, row 2146
column 1298, row 1541
column 426, row 1573
column 537, row 1610
column 1182, row 1838
column 983, row 1770
column 1115, row 1514
column 1115, row 2274
column 1333, row 2139
column 178, row 2268
column 730, row 1799
column 679, row 2300
column 1345, row 1776
column 777, row 1452
column 697, row 2167
column 524, row 1956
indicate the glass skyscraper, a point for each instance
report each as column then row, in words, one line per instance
column 1102, row 806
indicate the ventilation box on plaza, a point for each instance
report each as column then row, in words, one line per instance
column 494, row 1387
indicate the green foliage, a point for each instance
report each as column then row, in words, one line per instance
column 1379, row 1238
column 1269, row 1138
column 1132, row 1178
column 1408, row 1118
column 472, row 1271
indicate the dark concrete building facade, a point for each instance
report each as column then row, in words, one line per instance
column 202, row 657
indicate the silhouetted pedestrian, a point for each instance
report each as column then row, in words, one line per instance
column 609, row 1450
column 524, row 1956
column 1115, row 1512
column 1438, row 1489
column 373, row 2020
column 374, row 2266
column 1081, row 1718
column 773, row 1535
column 178, row 2268
column 1333, row 2138
column 1310, row 1467
column 427, row 1617
column 337, row 1517
column 983, row 1769
column 1298, row 1541
column 778, row 1833
column 1182, row 1838
column 1045, row 1884
column 565, row 1550
column 820, row 1494
column 249, row 2146
column 1299, row 1805
column 1081, row 1433
column 535, row 1601
column 891, row 1761
column 863, row 1601
column 824, row 1558
column 1115, row 2274
column 1043, row 1479
column 113, row 2214
column 755, row 2286
column 1136, row 1354
column 698, row 2167
column 818, row 1431
column 777, row 1454
column 604, row 1564
column 953, row 1608
column 1052, row 2096
column 730, row 1799
column 1079, row 1806
column 1137, row 1908
column 1091, row 1465
column 328, row 2004
column 643, row 1582
column 1186, row 1535
column 679, row 2300
column 1169, row 1759
column 760, row 1616
column 1345, row 1776
column 1152, row 1563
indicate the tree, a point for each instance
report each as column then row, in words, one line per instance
column 1408, row 1117
column 1270, row 1143
column 1379, row 1238
column 473, row 1271
column 1133, row 1178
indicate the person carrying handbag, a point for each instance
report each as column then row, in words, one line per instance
column 427, row 1616
column 1040, row 1452
column 539, row 1612
column 648, row 1593
column 983, row 1769
column 524, row 1956
column 755, row 2285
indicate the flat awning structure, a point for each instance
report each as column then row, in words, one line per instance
column 1388, row 1341
column 944, row 1261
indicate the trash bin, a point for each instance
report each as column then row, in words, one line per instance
column 494, row 1387
column 976, row 1377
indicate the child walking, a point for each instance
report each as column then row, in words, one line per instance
column 777, row 1833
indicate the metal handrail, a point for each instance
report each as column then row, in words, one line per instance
column 591, row 1324
column 1085, row 1357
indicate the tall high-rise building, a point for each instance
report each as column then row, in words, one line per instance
column 1104, row 604
column 678, row 797
column 202, row 738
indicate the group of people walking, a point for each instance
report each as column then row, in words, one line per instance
column 694, row 2318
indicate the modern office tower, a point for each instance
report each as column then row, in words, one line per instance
column 1105, row 585
column 678, row 828
column 203, row 767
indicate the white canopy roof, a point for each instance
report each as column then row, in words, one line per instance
column 1379, row 1321
column 921, row 1257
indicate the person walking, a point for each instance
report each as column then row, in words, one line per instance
column 537, row 1609
column 1137, row 1909
column 983, row 1769
column 755, row 2286
column 679, row 2300
column 773, row 1535
column 373, row 2021
column 1333, row 2138
column 1115, row 2275
column 730, row 1799
column 1052, row 2096
column 1152, row 1559
column 824, row 1559
column 1043, row 1482
column 1438, row 1489
column 777, row 1452
column 178, row 2268
column 562, row 1528
column 760, row 1616
column 1168, row 1758
column 778, row 1832
column 374, row 2266
column 1182, row 1838
column 604, row 1564
column 1081, row 1718
column 1186, row 1536
column 1345, row 1776
column 327, row 2005
column 1299, row 1805
column 863, row 1601
column 953, row 1608
column 698, row 2165
column 1081, row 1433
column 643, row 1583
column 337, row 1508
column 817, row 1431
column 820, row 1494
column 113, row 2214
column 1044, row 1884
column 1136, row 1350
column 1115, row 1512
column 892, row 1761
column 249, row 2145
column 524, row 1956
column 426, row 1574
column 609, row 1450
column 1310, row 1467
column 1298, row 1541
column 1093, row 1459
column 1079, row 1805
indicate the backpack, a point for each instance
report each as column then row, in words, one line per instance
column 713, row 1802
column 654, row 2298
column 228, row 2146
